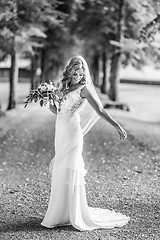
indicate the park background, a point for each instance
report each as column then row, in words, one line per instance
column 120, row 41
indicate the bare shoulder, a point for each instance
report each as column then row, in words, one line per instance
column 85, row 92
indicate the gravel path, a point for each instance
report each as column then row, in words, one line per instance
column 122, row 175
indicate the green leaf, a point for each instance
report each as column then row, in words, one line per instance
column 35, row 99
column 41, row 102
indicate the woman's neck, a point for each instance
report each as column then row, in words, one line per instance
column 73, row 87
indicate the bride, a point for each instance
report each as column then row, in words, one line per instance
column 78, row 111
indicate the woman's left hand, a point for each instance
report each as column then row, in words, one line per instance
column 66, row 91
column 122, row 133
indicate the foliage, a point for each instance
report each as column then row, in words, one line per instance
column 26, row 21
column 96, row 23
column 60, row 44
column 140, row 19
column 149, row 32
column 22, row 30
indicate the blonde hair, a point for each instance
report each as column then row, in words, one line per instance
column 74, row 64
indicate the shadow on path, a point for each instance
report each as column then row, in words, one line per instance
column 31, row 224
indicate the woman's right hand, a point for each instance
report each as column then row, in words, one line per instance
column 122, row 133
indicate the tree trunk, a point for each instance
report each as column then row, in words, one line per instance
column 96, row 69
column 13, row 79
column 116, row 58
column 42, row 63
column 104, row 70
column 114, row 77
column 0, row 109
column 33, row 71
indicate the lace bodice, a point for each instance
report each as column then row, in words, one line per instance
column 71, row 102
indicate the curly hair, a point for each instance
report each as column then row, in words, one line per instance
column 74, row 64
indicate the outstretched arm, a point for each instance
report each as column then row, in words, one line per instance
column 103, row 113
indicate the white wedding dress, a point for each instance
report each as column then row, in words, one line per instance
column 68, row 203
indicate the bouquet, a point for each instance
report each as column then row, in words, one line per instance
column 44, row 93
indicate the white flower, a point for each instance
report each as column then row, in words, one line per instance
column 51, row 87
column 43, row 89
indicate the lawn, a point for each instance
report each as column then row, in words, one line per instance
column 143, row 100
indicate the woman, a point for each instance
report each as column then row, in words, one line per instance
column 78, row 111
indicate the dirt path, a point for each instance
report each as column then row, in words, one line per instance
column 122, row 175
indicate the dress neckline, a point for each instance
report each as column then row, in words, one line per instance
column 79, row 87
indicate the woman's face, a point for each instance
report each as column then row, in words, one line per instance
column 77, row 76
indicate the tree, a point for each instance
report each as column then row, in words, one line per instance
column 57, row 46
column 117, row 23
column 23, row 30
column 116, row 55
column 11, row 7
column 94, row 23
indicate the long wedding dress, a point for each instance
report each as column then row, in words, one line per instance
column 68, row 203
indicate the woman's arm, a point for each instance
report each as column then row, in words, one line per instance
column 102, row 113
